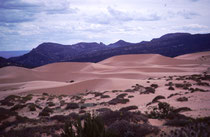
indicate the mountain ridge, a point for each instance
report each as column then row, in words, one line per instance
column 171, row 45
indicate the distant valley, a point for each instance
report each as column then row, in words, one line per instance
column 9, row 54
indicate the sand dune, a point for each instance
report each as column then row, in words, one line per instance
column 62, row 67
column 114, row 73
column 14, row 74
column 89, row 85
column 28, row 87
column 140, row 83
column 194, row 56
column 144, row 59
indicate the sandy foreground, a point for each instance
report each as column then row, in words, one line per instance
column 125, row 74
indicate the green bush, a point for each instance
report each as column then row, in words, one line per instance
column 93, row 127
column 161, row 111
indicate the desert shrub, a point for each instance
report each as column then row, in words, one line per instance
column 26, row 98
column 128, row 108
column 12, row 98
column 88, row 105
column 165, row 111
column 154, row 85
column 74, row 116
column 105, row 96
column 130, row 96
column 9, row 100
column 46, row 112
column 118, row 124
column 51, row 97
column 60, row 118
column 157, row 98
column 19, row 120
column 72, row 106
column 62, row 103
column 123, row 128
column 93, row 127
column 32, row 106
column 61, row 96
column 173, row 95
column 45, row 94
column 184, row 86
column 170, row 84
column 6, row 113
column 171, row 88
column 181, row 78
column 110, row 117
column 17, row 107
column 197, row 90
column 205, row 77
column 82, row 107
column 122, row 95
column 102, row 110
column 71, row 81
column 76, row 97
column 82, row 101
column 193, row 128
column 148, row 90
column 38, row 131
column 118, row 101
column 178, row 122
column 161, row 111
column 182, row 99
column 120, row 128
column 203, row 84
column 129, row 90
column 50, row 104
column 182, row 109
column 42, row 98
column 115, row 91
column 137, row 87
column 82, row 111
column 6, row 103
column 195, row 77
column 97, row 94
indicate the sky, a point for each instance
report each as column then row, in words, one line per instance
column 24, row 24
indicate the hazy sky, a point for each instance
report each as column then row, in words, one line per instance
column 24, row 24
